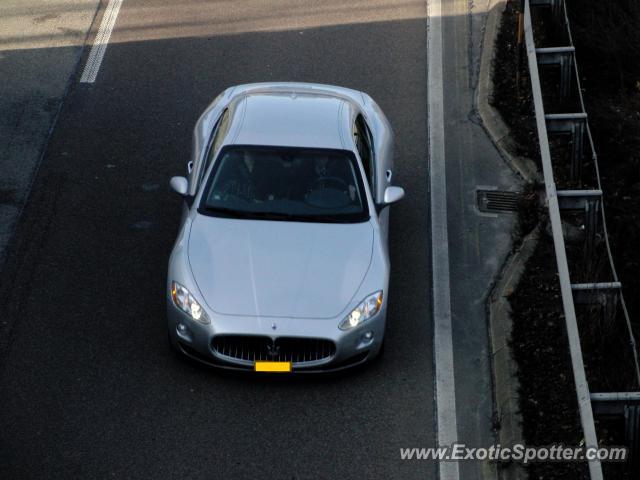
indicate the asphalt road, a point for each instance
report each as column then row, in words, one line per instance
column 88, row 386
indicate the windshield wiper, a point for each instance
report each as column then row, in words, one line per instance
column 274, row 215
column 229, row 212
column 233, row 213
column 278, row 216
column 293, row 217
column 321, row 218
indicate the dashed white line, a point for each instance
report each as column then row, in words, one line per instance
column 96, row 55
column 447, row 428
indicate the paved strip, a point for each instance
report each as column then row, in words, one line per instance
column 92, row 67
column 442, row 331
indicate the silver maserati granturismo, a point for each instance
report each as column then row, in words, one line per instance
column 281, row 263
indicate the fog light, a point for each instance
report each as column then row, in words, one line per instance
column 184, row 332
column 365, row 339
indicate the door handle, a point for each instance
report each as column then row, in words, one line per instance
column 190, row 166
column 389, row 174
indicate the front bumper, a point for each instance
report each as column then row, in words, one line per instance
column 196, row 341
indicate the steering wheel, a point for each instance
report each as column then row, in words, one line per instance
column 342, row 185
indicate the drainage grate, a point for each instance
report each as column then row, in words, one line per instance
column 497, row 201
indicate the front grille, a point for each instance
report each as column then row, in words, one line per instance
column 299, row 350
column 249, row 348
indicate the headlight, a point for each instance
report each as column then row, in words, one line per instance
column 185, row 302
column 363, row 312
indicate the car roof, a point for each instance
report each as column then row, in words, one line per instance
column 289, row 119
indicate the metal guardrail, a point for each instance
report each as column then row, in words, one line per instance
column 608, row 294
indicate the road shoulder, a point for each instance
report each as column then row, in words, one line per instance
column 41, row 42
column 508, row 420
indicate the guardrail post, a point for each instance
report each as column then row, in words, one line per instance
column 591, row 216
column 612, row 403
column 563, row 58
column 555, row 5
column 605, row 294
column 632, row 434
column 622, row 405
column 573, row 124
column 590, row 202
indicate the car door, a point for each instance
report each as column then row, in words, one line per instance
column 198, row 168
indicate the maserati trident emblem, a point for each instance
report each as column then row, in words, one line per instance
column 273, row 350
column 273, row 326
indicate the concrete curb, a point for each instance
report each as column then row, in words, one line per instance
column 505, row 381
column 492, row 121
column 504, row 368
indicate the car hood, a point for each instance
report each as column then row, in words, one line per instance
column 278, row 269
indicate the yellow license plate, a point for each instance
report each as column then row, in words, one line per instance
column 273, row 366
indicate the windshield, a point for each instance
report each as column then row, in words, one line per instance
column 292, row 184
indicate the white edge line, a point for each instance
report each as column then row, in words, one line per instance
column 446, row 422
column 101, row 41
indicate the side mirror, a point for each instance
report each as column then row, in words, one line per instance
column 180, row 185
column 393, row 195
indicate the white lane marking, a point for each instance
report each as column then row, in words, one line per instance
column 96, row 55
column 447, row 428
